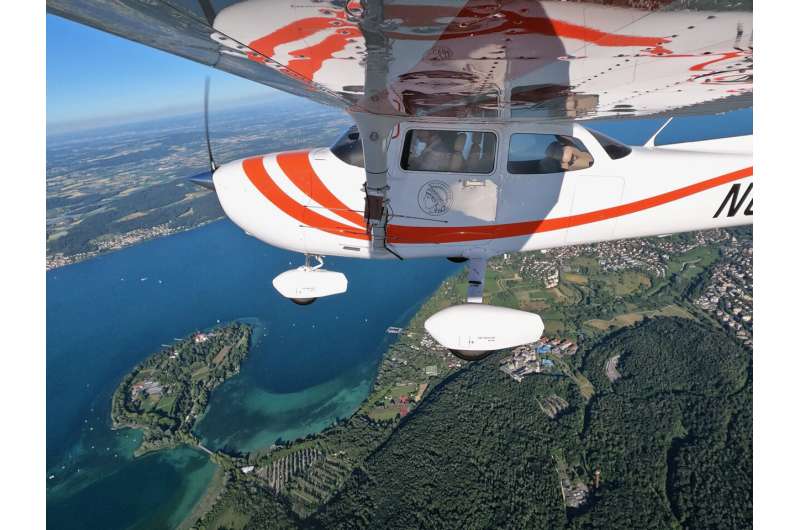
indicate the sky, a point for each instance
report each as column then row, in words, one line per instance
column 94, row 78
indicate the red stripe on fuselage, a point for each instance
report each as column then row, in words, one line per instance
column 297, row 167
column 257, row 173
column 400, row 234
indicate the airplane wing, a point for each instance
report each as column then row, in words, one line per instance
column 488, row 59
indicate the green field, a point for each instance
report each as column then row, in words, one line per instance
column 629, row 319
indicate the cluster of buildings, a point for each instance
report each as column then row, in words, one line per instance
column 117, row 241
column 60, row 260
column 616, row 256
column 649, row 255
column 533, row 267
column 729, row 293
column 652, row 254
column 200, row 338
column 146, row 388
column 575, row 492
column 527, row 359
column 112, row 242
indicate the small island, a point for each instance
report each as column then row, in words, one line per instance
column 164, row 395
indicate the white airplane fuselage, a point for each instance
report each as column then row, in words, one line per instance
column 312, row 202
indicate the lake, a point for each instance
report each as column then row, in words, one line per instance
column 308, row 366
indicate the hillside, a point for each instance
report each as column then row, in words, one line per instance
column 672, row 440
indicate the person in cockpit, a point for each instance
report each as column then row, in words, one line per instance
column 567, row 156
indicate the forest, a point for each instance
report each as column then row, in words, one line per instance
column 671, row 439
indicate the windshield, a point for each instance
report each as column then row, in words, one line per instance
column 348, row 148
column 614, row 148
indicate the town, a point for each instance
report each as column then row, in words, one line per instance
column 113, row 242
column 729, row 294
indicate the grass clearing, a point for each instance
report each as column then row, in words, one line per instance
column 628, row 282
column 573, row 277
column 218, row 358
column 166, row 403
column 384, row 414
column 200, row 373
column 629, row 319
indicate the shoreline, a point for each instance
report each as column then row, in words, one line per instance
column 170, row 388
column 57, row 261
column 205, row 504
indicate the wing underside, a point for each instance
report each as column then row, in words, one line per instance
column 468, row 59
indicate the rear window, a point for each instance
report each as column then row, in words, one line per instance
column 449, row 151
column 613, row 148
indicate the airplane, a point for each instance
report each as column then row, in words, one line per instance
column 472, row 133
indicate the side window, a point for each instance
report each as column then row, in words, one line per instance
column 450, row 151
column 532, row 154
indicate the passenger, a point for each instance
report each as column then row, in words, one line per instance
column 481, row 154
column 566, row 157
column 438, row 152
column 457, row 161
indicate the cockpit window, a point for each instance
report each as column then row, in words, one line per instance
column 534, row 154
column 615, row 149
column 450, row 151
column 348, row 148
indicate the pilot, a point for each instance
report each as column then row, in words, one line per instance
column 567, row 155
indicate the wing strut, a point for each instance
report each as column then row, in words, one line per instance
column 375, row 123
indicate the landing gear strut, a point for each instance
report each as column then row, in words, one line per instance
column 476, row 274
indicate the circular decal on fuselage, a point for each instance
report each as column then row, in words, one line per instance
column 435, row 198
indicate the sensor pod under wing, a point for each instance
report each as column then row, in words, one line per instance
column 472, row 331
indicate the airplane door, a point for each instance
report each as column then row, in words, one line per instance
column 447, row 179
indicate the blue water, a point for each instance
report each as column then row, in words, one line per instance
column 310, row 365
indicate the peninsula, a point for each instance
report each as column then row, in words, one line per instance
column 165, row 394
